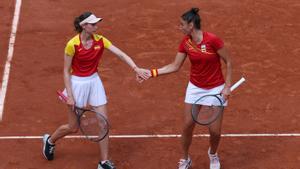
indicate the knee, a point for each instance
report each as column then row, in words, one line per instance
column 72, row 128
column 188, row 127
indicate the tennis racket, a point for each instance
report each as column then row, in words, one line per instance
column 208, row 108
column 92, row 124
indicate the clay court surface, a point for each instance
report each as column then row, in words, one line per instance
column 263, row 39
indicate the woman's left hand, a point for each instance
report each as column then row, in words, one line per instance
column 226, row 93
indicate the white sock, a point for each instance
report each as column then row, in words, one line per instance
column 102, row 162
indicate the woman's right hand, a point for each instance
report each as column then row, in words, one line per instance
column 71, row 102
column 142, row 74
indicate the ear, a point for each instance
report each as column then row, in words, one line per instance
column 83, row 26
column 191, row 25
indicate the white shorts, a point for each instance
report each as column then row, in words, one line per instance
column 87, row 90
column 193, row 93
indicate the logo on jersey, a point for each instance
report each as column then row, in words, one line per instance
column 194, row 48
column 203, row 48
column 97, row 47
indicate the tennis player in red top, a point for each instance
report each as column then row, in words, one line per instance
column 83, row 85
column 205, row 52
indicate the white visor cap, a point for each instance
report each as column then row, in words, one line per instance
column 91, row 19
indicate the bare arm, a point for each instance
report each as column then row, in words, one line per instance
column 174, row 66
column 227, row 60
column 67, row 77
column 124, row 57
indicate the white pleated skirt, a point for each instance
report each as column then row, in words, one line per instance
column 193, row 93
column 88, row 90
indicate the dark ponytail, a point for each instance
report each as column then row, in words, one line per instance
column 192, row 16
column 80, row 18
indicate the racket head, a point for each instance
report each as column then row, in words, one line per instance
column 207, row 109
column 93, row 125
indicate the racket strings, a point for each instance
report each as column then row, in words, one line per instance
column 207, row 112
column 207, row 109
column 93, row 125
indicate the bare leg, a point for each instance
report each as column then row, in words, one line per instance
column 187, row 132
column 63, row 130
column 215, row 134
column 103, row 144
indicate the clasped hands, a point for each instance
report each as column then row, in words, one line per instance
column 142, row 74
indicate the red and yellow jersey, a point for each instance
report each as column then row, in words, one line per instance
column 206, row 71
column 85, row 61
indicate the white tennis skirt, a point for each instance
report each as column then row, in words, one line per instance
column 88, row 90
column 193, row 93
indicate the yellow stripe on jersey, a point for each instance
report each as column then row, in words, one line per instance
column 106, row 42
column 75, row 41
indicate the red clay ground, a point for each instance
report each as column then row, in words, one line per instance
column 7, row 11
column 263, row 38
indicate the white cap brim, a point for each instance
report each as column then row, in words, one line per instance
column 91, row 19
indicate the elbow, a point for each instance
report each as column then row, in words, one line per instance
column 229, row 65
column 176, row 68
column 66, row 73
column 122, row 57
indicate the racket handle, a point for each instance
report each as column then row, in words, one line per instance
column 61, row 96
column 237, row 84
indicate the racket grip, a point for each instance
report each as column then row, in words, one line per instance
column 237, row 84
column 61, row 96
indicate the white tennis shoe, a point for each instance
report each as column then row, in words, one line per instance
column 214, row 160
column 184, row 163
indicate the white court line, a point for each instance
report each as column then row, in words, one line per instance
column 9, row 55
column 160, row 136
